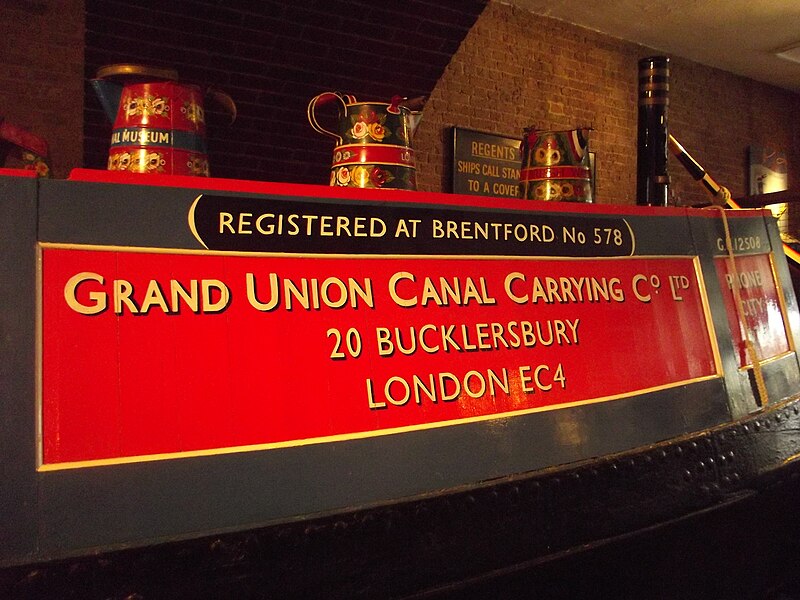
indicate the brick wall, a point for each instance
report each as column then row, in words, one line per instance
column 272, row 57
column 512, row 70
column 516, row 69
column 41, row 75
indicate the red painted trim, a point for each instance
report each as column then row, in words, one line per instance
column 372, row 154
column 545, row 173
column 574, row 145
column 387, row 195
column 18, row 136
column 713, row 213
column 17, row 173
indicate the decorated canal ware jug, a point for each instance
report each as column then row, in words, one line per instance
column 27, row 148
column 373, row 141
column 159, row 122
column 555, row 165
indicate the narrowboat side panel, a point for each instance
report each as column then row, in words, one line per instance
column 164, row 475
column 765, row 294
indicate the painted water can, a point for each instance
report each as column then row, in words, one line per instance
column 373, row 141
column 555, row 166
column 159, row 122
column 24, row 146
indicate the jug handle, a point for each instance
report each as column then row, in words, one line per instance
column 321, row 100
column 224, row 100
column 411, row 104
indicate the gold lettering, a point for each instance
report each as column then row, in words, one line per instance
column 99, row 299
column 393, row 280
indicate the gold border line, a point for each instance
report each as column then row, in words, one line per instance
column 357, row 435
column 776, row 280
column 38, row 367
column 791, row 459
column 360, row 434
column 192, row 251
column 706, row 303
column 766, row 361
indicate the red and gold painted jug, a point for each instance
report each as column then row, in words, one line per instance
column 20, row 143
column 159, row 123
column 555, row 166
column 373, row 141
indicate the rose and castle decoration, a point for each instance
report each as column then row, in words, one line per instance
column 151, row 108
column 369, row 128
column 159, row 122
column 555, row 166
column 159, row 126
column 29, row 149
column 373, row 141
column 373, row 150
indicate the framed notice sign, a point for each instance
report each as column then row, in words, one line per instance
column 761, row 318
column 485, row 164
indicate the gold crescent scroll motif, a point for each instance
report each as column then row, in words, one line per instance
column 192, row 225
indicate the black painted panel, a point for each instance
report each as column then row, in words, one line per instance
column 146, row 502
column 18, row 491
column 82, row 510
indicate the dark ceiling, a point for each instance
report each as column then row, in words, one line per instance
column 272, row 58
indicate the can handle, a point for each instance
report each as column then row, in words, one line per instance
column 224, row 100
column 321, row 100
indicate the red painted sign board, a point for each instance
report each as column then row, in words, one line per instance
column 161, row 354
column 760, row 317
